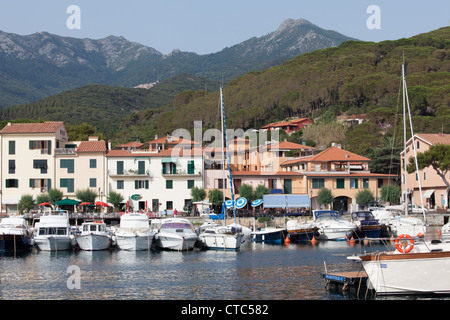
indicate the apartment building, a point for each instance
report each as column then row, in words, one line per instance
column 434, row 190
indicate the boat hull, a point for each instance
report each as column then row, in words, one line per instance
column 335, row 233
column 14, row 243
column 221, row 241
column 369, row 231
column 94, row 242
column 301, row 235
column 134, row 242
column 276, row 236
column 53, row 243
column 177, row 243
column 418, row 273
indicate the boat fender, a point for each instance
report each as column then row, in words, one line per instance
column 233, row 230
column 403, row 246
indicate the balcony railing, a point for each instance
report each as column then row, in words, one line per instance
column 66, row 151
column 181, row 173
column 128, row 173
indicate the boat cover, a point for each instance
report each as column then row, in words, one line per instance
column 286, row 201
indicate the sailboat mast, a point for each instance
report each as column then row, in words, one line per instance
column 228, row 153
column 224, row 210
column 404, row 141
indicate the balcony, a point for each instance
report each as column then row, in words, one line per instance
column 181, row 173
column 65, row 151
column 128, row 173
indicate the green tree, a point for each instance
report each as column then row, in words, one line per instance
column 325, row 196
column 438, row 157
column 215, row 196
column 86, row 195
column 198, row 194
column 55, row 195
column 26, row 203
column 114, row 198
column 43, row 197
column 246, row 191
column 391, row 193
column 260, row 191
column 365, row 196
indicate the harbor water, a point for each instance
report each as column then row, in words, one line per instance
column 257, row 271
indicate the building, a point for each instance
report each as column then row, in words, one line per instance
column 434, row 190
column 27, row 159
column 289, row 126
column 343, row 172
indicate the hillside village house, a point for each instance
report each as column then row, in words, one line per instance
column 289, row 126
column 434, row 190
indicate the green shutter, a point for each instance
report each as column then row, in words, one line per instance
column 287, row 186
column 174, row 168
column 141, row 167
column 146, row 184
column 49, row 147
column 119, row 167
column 12, row 147
column 136, row 184
column 190, row 167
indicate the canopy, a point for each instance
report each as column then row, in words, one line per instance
column 101, row 204
column 66, row 202
column 44, row 204
column 241, row 202
column 257, row 202
column 428, row 194
column 286, row 201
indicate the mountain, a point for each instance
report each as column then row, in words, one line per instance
column 38, row 65
column 356, row 77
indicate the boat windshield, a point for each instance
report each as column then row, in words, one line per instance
column 50, row 231
column 327, row 214
column 176, row 225
column 363, row 215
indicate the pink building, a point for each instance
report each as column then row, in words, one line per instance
column 434, row 190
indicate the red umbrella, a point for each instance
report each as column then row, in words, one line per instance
column 44, row 204
column 101, row 204
column 84, row 203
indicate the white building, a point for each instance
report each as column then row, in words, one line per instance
column 155, row 180
column 27, row 160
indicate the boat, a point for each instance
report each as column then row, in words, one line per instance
column 366, row 224
column 331, row 226
column 134, row 232
column 176, row 234
column 269, row 235
column 52, row 232
column 15, row 235
column 215, row 235
column 300, row 231
column 94, row 236
column 416, row 266
column 412, row 268
column 394, row 224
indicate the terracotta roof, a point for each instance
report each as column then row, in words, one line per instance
column 133, row 144
column 330, row 154
column 286, row 145
column 45, row 127
column 351, row 174
column 162, row 153
column 266, row 173
column 296, row 122
column 92, row 146
column 434, row 138
column 175, row 140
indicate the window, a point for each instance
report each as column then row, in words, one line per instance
column 44, row 145
column 190, row 167
column 380, row 183
column 366, row 183
column 92, row 163
column 190, row 184
column 353, row 183
column 141, row 184
column 317, row 167
column 92, row 182
column 12, row 166
column 40, row 164
column 67, row 164
column 120, row 184
column 287, row 188
column 340, row 183
column 220, row 184
column 12, row 183
column 40, row 183
column 141, row 167
column 67, row 183
column 12, row 147
column 169, row 184
column 318, row 183
column 169, row 205
column 119, row 167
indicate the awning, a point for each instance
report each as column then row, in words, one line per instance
column 66, row 202
column 168, row 160
column 428, row 194
column 286, row 201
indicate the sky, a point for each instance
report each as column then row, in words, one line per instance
column 208, row 26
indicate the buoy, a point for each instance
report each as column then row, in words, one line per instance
column 313, row 241
column 287, row 240
column 439, row 232
column 420, row 234
column 352, row 240
column 366, row 241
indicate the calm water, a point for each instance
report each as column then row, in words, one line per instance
column 256, row 272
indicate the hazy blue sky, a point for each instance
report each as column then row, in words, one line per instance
column 206, row 26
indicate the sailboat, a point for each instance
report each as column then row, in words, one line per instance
column 416, row 266
column 218, row 235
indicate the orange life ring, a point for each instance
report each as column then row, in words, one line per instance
column 399, row 245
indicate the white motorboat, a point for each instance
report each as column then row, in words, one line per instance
column 94, row 236
column 15, row 235
column 331, row 226
column 52, row 232
column 398, row 224
column 176, row 234
column 134, row 233
column 300, row 231
column 413, row 268
column 220, row 237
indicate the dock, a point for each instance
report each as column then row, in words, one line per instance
column 348, row 280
